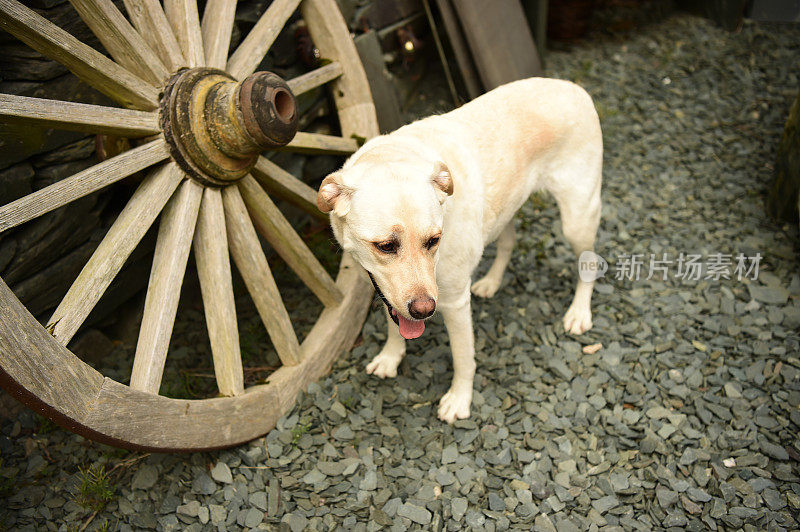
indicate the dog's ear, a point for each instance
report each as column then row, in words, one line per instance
column 333, row 195
column 442, row 179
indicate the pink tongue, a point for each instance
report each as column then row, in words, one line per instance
column 410, row 329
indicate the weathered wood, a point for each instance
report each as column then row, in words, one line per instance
column 252, row 264
column 254, row 47
column 175, row 235
column 782, row 200
column 124, row 43
column 499, row 26
column 83, row 183
column 216, row 285
column 460, row 48
column 149, row 19
column 281, row 235
column 280, row 183
column 185, row 22
column 128, row 229
column 89, row 65
column 384, row 92
column 77, row 116
column 351, row 91
column 217, row 27
column 316, row 143
column 315, row 78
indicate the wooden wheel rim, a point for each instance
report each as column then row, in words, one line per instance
column 35, row 365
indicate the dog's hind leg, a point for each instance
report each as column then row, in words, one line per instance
column 487, row 286
column 579, row 205
column 385, row 363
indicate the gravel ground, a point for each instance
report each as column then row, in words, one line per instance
column 686, row 418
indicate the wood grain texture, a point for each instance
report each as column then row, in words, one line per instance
column 315, row 78
column 216, row 285
column 50, row 379
column 124, row 43
column 81, row 184
column 252, row 264
column 77, row 116
column 254, row 47
column 216, row 28
column 350, row 91
column 281, row 235
column 174, row 242
column 107, row 260
column 280, row 183
column 185, row 22
column 317, row 143
column 88, row 64
column 149, row 19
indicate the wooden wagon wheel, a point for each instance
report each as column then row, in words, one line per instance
column 204, row 119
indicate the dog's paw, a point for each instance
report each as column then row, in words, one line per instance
column 384, row 365
column 486, row 287
column 454, row 406
column 577, row 320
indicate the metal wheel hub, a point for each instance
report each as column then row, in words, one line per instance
column 216, row 127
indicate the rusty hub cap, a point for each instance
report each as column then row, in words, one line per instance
column 216, row 127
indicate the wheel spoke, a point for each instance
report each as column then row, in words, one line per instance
column 281, row 235
column 252, row 264
column 123, row 42
column 278, row 182
column 217, row 27
column 252, row 50
column 107, row 260
column 316, row 143
column 353, row 98
column 315, row 78
column 185, row 22
column 81, row 184
column 77, row 116
column 164, row 289
column 216, row 285
column 149, row 19
column 88, row 64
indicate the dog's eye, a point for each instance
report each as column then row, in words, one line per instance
column 389, row 246
column 431, row 243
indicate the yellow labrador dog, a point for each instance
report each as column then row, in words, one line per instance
column 417, row 207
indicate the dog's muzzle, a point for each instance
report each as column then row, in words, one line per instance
column 392, row 315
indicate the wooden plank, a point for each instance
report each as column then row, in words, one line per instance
column 281, row 235
column 77, row 116
column 316, row 143
column 81, row 184
column 174, row 242
column 119, row 38
column 315, row 78
column 459, row 45
column 149, row 19
column 216, row 285
column 500, row 27
column 185, row 22
column 252, row 264
column 216, row 28
column 280, row 183
column 107, row 260
column 88, row 64
column 384, row 92
column 784, row 192
column 254, row 47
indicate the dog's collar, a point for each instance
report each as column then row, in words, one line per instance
column 383, row 298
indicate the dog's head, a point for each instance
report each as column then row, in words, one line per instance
column 388, row 216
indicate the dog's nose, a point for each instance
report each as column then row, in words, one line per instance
column 421, row 308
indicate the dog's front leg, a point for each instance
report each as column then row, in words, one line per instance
column 456, row 402
column 386, row 362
